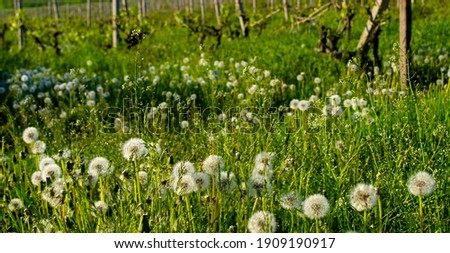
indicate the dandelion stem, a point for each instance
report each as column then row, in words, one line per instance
column 380, row 214
column 191, row 218
column 317, row 225
column 421, row 213
column 365, row 220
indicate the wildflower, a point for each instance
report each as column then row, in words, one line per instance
column 30, row 135
column 202, row 181
column 226, row 181
column 100, row 165
column 101, row 207
column 316, row 206
column 317, row 80
column 134, row 149
column 213, row 164
column 303, row 105
column 38, row 147
column 185, row 185
column 143, row 177
column 52, row 171
column 54, row 196
column 340, row 145
column 263, row 169
column 335, row 100
column 262, row 222
column 184, row 124
column 258, row 185
column 15, row 205
column 421, row 184
column 290, row 200
column 294, row 104
column 363, row 197
column 36, row 178
column 44, row 162
column 92, row 177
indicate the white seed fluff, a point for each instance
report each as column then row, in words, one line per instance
column 262, row 222
column 316, row 206
column 134, row 149
column 363, row 197
column 421, row 184
column 30, row 135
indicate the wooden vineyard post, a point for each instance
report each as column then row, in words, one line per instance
column 379, row 7
column 254, row 6
column 405, row 40
column 49, row 2
column 56, row 9
column 144, row 8
column 202, row 10
column 115, row 16
column 21, row 33
column 286, row 10
column 88, row 13
column 217, row 9
column 241, row 14
column 125, row 5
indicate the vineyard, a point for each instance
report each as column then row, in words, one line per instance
column 216, row 116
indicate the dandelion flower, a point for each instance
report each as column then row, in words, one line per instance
column 184, row 124
column 183, row 168
column 134, row 149
column 262, row 222
column 100, row 165
column 15, row 205
column 303, row 105
column 265, row 157
column 363, row 197
column 30, row 135
column 143, row 177
column 226, row 181
column 316, row 206
column 54, row 196
column 44, row 162
column 213, row 164
column 421, row 184
column 202, row 181
column 185, row 185
column 38, row 147
column 294, row 104
column 263, row 169
column 335, row 100
column 290, row 200
column 36, row 178
column 52, row 171
column 101, row 207
column 92, row 177
column 258, row 186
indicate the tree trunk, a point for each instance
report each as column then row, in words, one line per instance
column 405, row 40
column 115, row 15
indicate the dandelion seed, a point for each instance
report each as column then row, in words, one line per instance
column 262, row 222
column 335, row 100
column 290, row 200
column 143, row 177
column 421, row 184
column 226, row 181
column 213, row 164
column 15, row 205
column 202, row 181
column 294, row 104
column 316, row 206
column 38, row 147
column 30, row 135
column 258, row 186
column 185, row 185
column 101, row 166
column 101, row 207
column 36, row 178
column 303, row 105
column 317, row 80
column 183, row 168
column 184, row 124
column 54, row 196
column 44, row 162
column 363, row 197
column 52, row 171
column 134, row 149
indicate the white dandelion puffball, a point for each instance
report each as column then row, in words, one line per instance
column 45, row 161
column 421, row 184
column 99, row 165
column 265, row 157
column 30, row 135
column 226, row 181
column 185, row 185
column 316, row 206
column 183, row 168
column 202, row 181
column 213, row 164
column 52, row 171
column 36, row 178
column 303, row 105
column 258, row 186
column 38, row 147
column 143, row 177
column 134, row 149
column 263, row 169
column 363, row 197
column 15, row 205
column 101, row 207
column 290, row 200
column 262, row 222
column 294, row 104
column 335, row 100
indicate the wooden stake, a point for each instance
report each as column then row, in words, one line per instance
column 21, row 32
column 286, row 10
column 56, row 9
column 379, row 7
column 202, row 10
column 217, row 8
column 88, row 13
column 405, row 40
column 241, row 14
column 115, row 16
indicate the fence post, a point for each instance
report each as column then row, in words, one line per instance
column 405, row 40
column 202, row 10
column 21, row 32
column 241, row 14
column 286, row 10
column 115, row 16
column 55, row 8
column 217, row 8
column 88, row 13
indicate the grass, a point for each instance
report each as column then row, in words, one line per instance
column 382, row 136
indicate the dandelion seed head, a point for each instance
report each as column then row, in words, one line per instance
column 30, row 135
column 143, row 177
column 290, row 200
column 263, row 169
column 294, row 104
column 335, row 100
column 226, row 181
column 184, row 124
column 101, row 207
column 101, row 166
column 45, row 161
column 303, row 105
column 185, row 185
column 36, row 178
column 52, row 171
column 258, row 186
column 421, row 184
column 183, row 168
column 15, row 205
column 265, row 158
column 92, row 177
column 38, row 147
column 316, row 206
column 363, row 197
column 213, row 164
column 134, row 149
column 262, row 222
column 202, row 181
